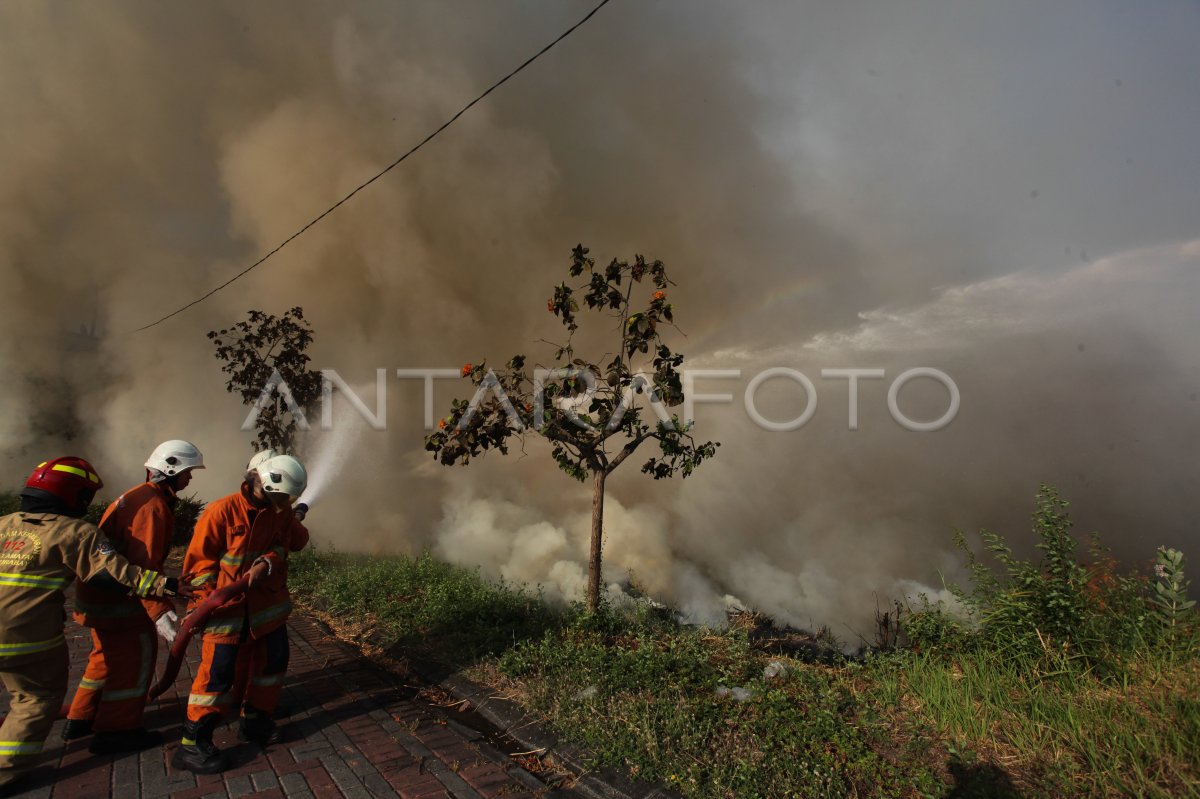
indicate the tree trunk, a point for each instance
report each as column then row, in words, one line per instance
column 593, row 593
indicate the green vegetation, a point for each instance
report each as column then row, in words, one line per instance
column 428, row 608
column 187, row 511
column 264, row 354
column 1064, row 676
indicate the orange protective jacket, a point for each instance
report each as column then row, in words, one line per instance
column 140, row 524
column 233, row 534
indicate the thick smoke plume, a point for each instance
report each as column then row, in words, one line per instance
column 1005, row 193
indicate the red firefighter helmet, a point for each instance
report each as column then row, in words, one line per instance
column 73, row 480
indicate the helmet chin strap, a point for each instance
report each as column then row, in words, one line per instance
column 255, row 494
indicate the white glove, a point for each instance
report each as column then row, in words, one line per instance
column 168, row 626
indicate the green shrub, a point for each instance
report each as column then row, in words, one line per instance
column 1174, row 613
column 932, row 627
column 1062, row 610
column 187, row 511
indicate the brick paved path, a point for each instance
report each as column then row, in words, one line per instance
column 350, row 730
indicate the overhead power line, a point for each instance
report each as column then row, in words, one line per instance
column 381, row 173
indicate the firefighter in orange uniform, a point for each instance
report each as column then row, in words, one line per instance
column 43, row 548
column 111, row 697
column 245, row 646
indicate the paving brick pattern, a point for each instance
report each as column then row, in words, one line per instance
column 350, row 729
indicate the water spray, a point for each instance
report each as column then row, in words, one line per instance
column 331, row 452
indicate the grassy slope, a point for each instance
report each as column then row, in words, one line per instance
column 641, row 692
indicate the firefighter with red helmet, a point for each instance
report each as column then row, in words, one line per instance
column 111, row 697
column 245, row 645
column 43, row 548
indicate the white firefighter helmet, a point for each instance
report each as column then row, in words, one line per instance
column 261, row 457
column 174, row 457
column 283, row 474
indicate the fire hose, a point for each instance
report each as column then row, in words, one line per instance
column 195, row 620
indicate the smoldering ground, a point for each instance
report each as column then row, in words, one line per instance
column 1004, row 193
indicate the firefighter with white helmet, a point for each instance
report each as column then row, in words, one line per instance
column 244, row 650
column 111, row 697
column 43, row 549
column 299, row 509
column 261, row 457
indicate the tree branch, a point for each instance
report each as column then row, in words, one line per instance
column 625, row 452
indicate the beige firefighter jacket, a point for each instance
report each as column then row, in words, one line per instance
column 40, row 555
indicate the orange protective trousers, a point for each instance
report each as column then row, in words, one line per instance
column 114, row 686
column 233, row 674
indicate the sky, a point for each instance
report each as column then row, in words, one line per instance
column 1005, row 192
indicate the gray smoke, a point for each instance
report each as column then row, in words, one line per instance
column 1005, row 192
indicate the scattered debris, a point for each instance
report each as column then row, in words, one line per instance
column 775, row 669
column 738, row 694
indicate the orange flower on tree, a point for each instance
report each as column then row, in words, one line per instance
column 550, row 305
column 441, row 424
column 466, row 370
column 659, row 295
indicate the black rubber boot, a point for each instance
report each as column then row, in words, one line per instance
column 197, row 753
column 257, row 727
column 111, row 743
column 76, row 728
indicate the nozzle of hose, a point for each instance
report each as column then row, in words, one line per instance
column 301, row 510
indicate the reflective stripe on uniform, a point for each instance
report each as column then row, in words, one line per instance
column 91, row 685
column 238, row 560
column 206, row 577
column 274, row 612
column 146, row 583
column 33, row 581
column 9, row 650
column 21, row 747
column 208, row 700
column 224, row 626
